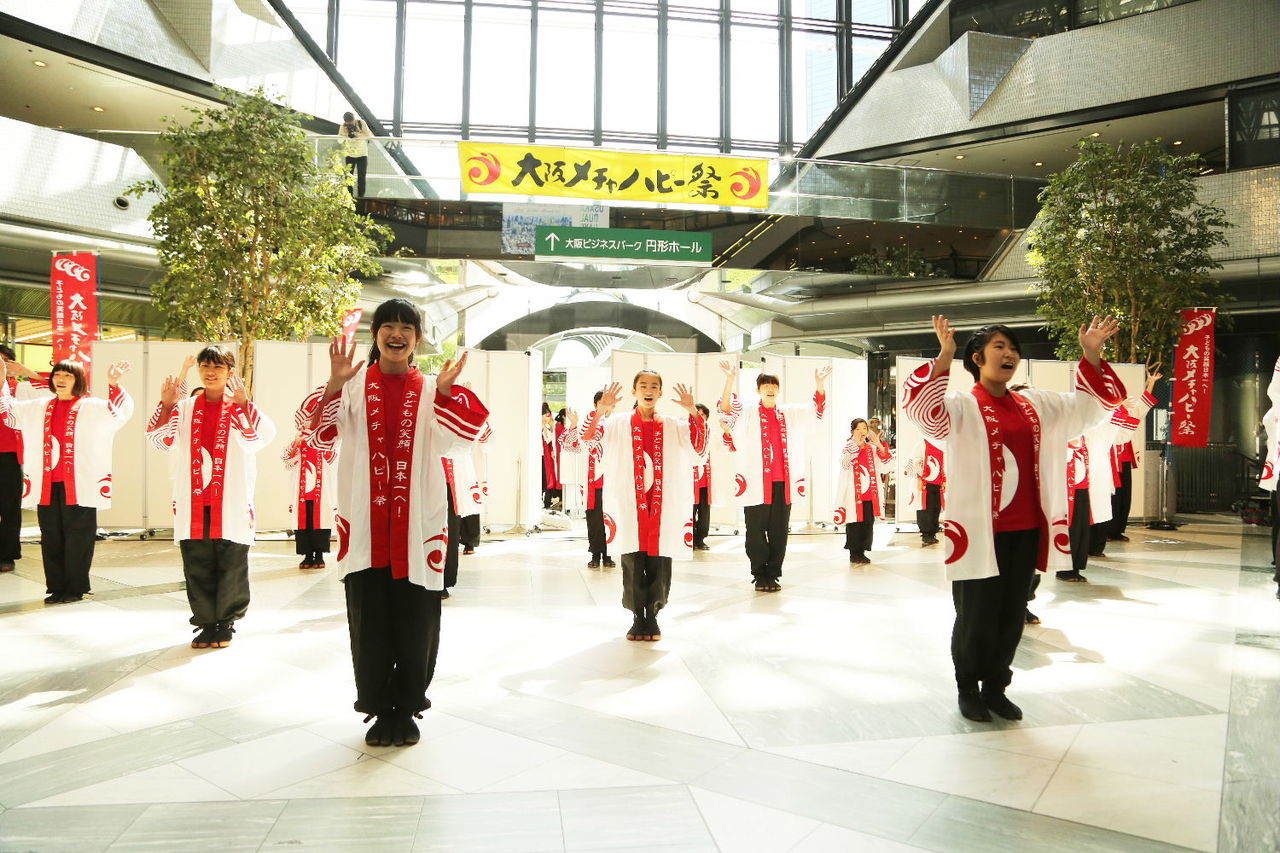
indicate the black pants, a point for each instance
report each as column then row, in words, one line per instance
column 359, row 165
column 451, row 547
column 1275, row 533
column 646, row 582
column 767, row 534
column 1079, row 531
column 10, row 508
column 991, row 612
column 927, row 516
column 550, row 496
column 701, row 517
column 1098, row 538
column 858, row 535
column 469, row 530
column 1121, row 503
column 395, row 635
column 597, row 541
column 311, row 539
column 67, row 537
column 217, row 573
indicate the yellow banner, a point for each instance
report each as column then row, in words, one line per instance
column 591, row 173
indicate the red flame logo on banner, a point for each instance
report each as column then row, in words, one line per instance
column 688, row 533
column 840, row 516
column 104, row 486
column 1062, row 538
column 486, row 170
column 436, row 553
column 749, row 186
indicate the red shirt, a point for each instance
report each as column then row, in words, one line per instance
column 58, row 428
column 1023, row 512
column 1125, row 453
column 773, row 446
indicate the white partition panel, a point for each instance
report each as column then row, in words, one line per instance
column 708, row 385
column 510, row 384
column 142, row 491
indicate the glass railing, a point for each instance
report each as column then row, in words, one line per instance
column 415, row 168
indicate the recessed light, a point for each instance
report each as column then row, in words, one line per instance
column 1038, row 163
column 1177, row 142
column 39, row 63
column 959, row 156
column 99, row 109
column 1094, row 135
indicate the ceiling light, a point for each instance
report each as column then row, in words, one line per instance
column 1038, row 163
column 1177, row 142
column 959, row 156
column 39, row 63
column 99, row 109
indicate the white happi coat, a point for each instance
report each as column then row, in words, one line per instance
column 956, row 417
column 1271, row 422
column 750, row 488
column 442, row 427
column 1099, row 441
column 251, row 431
column 470, row 488
column 302, row 479
column 1127, row 426
column 617, row 465
column 848, row 507
column 97, row 422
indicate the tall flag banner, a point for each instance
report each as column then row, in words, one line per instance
column 592, row 173
column 350, row 324
column 1193, row 381
column 73, row 306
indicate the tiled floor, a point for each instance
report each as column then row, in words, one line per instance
column 821, row 718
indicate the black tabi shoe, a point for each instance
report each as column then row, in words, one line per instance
column 6, row 567
column 1120, row 538
column 927, row 541
column 594, row 564
column 638, row 627
column 859, row 559
column 73, row 597
column 380, row 733
column 1000, row 705
column 404, row 731
column 204, row 633
column 652, row 632
column 221, row 636
column 972, row 707
column 53, row 599
column 466, row 552
column 444, row 593
column 1032, row 619
column 1071, row 575
column 609, row 563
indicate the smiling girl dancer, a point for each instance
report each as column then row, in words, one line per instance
column 1007, row 502
column 648, row 462
column 392, row 518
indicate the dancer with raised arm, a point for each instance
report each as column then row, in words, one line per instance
column 861, row 497
column 573, row 442
column 1005, row 485
column 1125, row 457
column 702, row 491
column 392, row 519
column 312, row 510
column 74, row 433
column 11, row 476
column 769, row 441
column 212, row 438
column 648, row 462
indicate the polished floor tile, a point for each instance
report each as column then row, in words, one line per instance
column 819, row 719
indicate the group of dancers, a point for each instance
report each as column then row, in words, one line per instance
column 399, row 507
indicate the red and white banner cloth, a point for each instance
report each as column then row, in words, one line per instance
column 1193, row 382
column 1271, row 422
column 73, row 306
column 351, row 324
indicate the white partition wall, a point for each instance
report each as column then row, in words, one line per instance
column 510, row 384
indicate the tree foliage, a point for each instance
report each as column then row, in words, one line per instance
column 1122, row 232
column 258, row 239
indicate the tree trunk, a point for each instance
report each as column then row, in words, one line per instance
column 246, row 365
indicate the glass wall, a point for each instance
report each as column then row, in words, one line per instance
column 1255, row 127
column 751, row 76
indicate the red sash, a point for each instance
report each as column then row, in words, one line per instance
column 67, row 456
column 648, row 512
column 995, row 442
column 218, row 456
column 767, row 458
column 1079, row 457
column 309, row 460
column 390, row 468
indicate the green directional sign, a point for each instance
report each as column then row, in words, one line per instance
column 624, row 244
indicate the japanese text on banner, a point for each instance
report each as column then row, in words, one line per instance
column 1193, row 382
column 536, row 170
column 73, row 306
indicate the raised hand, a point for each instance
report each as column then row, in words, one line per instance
column 820, row 377
column 1094, row 334
column 572, row 417
column 684, row 398
column 946, row 335
column 236, row 391
column 1152, row 380
column 340, row 367
column 187, row 363
column 728, row 368
column 115, row 371
column 610, row 399
column 170, row 390
column 449, row 374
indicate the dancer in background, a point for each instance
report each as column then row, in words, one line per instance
column 702, row 492
column 395, row 425
column 769, row 439
column 1006, row 494
column 861, row 498
column 648, row 460
column 1125, row 457
column 573, row 441
column 552, row 430
column 1271, row 467
column 312, row 511
column 212, row 438
column 11, row 476
column 464, row 503
column 477, row 465
column 933, row 481
column 74, row 433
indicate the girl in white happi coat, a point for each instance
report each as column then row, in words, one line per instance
column 313, row 506
column 861, row 494
column 71, row 433
column 572, row 442
column 1125, row 457
column 769, row 441
column 212, row 438
column 465, row 500
column 1007, row 508
column 11, row 477
column 1270, row 480
column 395, row 424
column 647, row 461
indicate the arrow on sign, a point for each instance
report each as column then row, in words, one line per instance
column 551, row 238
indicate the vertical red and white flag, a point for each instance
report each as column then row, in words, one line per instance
column 1193, row 379
column 73, row 306
column 350, row 324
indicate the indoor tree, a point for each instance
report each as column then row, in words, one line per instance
column 1122, row 232
column 258, row 238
